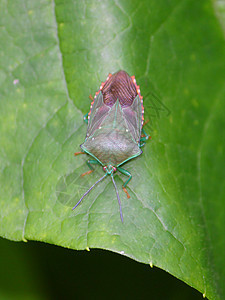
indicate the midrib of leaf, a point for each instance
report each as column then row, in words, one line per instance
column 60, row 54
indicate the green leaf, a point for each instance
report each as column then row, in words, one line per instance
column 52, row 56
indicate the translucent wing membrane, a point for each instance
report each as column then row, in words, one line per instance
column 112, row 142
column 99, row 112
column 133, row 117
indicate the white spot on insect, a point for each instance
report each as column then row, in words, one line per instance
column 138, row 91
column 100, row 87
column 93, row 139
column 99, row 127
column 16, row 81
column 134, row 81
column 127, row 130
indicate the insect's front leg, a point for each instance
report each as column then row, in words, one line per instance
column 86, row 118
column 89, row 162
column 125, row 172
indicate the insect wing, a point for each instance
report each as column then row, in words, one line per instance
column 98, row 113
column 112, row 143
column 133, row 116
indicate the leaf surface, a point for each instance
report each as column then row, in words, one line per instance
column 52, row 56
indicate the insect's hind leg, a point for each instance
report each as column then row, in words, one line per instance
column 125, row 172
column 89, row 162
column 80, row 152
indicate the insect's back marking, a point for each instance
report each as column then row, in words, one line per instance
column 119, row 86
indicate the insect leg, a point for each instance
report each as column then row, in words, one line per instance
column 86, row 118
column 81, row 152
column 125, row 172
column 146, row 122
column 144, row 137
column 91, row 97
column 89, row 191
column 89, row 162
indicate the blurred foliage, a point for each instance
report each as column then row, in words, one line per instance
column 40, row 271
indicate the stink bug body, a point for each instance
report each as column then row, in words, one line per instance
column 115, row 131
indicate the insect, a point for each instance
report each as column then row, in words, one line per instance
column 115, row 131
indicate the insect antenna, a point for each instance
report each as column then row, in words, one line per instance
column 118, row 197
column 89, row 190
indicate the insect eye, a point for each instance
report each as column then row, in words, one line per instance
column 114, row 169
column 104, row 168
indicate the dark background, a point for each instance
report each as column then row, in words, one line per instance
column 36, row 270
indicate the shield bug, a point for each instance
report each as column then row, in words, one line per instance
column 115, row 131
